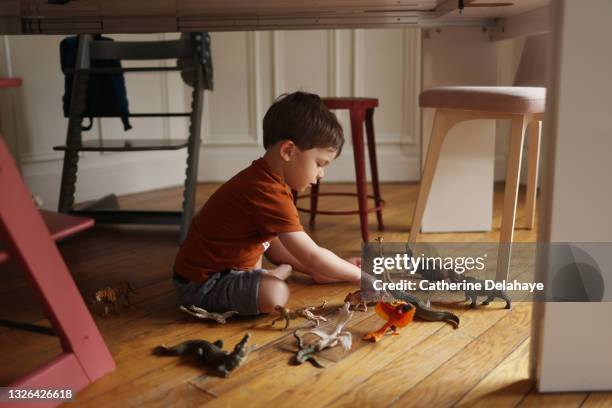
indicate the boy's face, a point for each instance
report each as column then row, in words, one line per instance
column 305, row 167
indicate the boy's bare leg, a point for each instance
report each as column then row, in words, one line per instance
column 281, row 272
column 272, row 292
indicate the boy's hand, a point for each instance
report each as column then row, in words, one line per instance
column 355, row 260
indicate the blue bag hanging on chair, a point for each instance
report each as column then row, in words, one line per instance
column 106, row 93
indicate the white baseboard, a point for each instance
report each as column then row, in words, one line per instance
column 121, row 173
column 393, row 164
column 126, row 173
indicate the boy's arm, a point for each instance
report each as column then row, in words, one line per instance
column 278, row 254
column 316, row 260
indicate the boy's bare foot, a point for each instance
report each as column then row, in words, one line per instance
column 281, row 272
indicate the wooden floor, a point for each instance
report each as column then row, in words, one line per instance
column 483, row 363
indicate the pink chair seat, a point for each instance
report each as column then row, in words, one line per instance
column 499, row 99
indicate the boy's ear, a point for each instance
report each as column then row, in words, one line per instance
column 287, row 150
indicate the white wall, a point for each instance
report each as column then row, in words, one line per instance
column 250, row 70
column 460, row 56
column 508, row 57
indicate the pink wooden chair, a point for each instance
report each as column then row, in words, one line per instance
column 523, row 104
column 29, row 243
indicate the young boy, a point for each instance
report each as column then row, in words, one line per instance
column 218, row 266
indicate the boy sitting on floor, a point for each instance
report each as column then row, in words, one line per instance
column 218, row 266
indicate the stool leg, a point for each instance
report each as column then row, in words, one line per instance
column 357, row 117
column 314, row 201
column 532, row 172
column 513, row 171
column 374, row 166
column 442, row 124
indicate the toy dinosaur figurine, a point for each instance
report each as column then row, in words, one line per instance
column 210, row 354
column 491, row 294
column 380, row 243
column 204, row 314
column 329, row 336
column 358, row 302
column 109, row 297
column 397, row 314
column 423, row 311
column 305, row 312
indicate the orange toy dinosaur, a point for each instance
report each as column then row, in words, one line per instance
column 397, row 314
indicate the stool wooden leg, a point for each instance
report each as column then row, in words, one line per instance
column 513, row 171
column 535, row 130
column 357, row 117
column 443, row 121
column 369, row 121
column 314, row 201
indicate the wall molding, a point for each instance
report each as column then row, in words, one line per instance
column 333, row 66
column 411, row 86
column 410, row 83
column 222, row 155
column 357, row 54
column 399, row 167
column 253, row 137
column 278, row 53
column 121, row 175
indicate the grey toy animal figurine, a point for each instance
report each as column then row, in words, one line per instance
column 206, row 315
column 328, row 336
column 210, row 354
column 491, row 294
column 308, row 312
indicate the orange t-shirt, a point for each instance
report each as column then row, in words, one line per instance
column 231, row 229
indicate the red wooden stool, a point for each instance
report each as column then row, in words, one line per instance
column 361, row 109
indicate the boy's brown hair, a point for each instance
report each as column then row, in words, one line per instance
column 302, row 118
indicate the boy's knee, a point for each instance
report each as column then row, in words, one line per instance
column 272, row 292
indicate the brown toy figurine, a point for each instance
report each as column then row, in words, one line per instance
column 206, row 315
column 109, row 297
column 304, row 312
column 358, row 303
column 357, row 300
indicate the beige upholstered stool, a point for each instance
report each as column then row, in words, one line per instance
column 523, row 105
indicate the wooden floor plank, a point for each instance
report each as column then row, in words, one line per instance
column 505, row 386
column 408, row 364
column 144, row 256
column 271, row 372
column 556, row 400
column 598, row 400
column 138, row 385
column 467, row 368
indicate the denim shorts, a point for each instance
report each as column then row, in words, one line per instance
column 222, row 292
